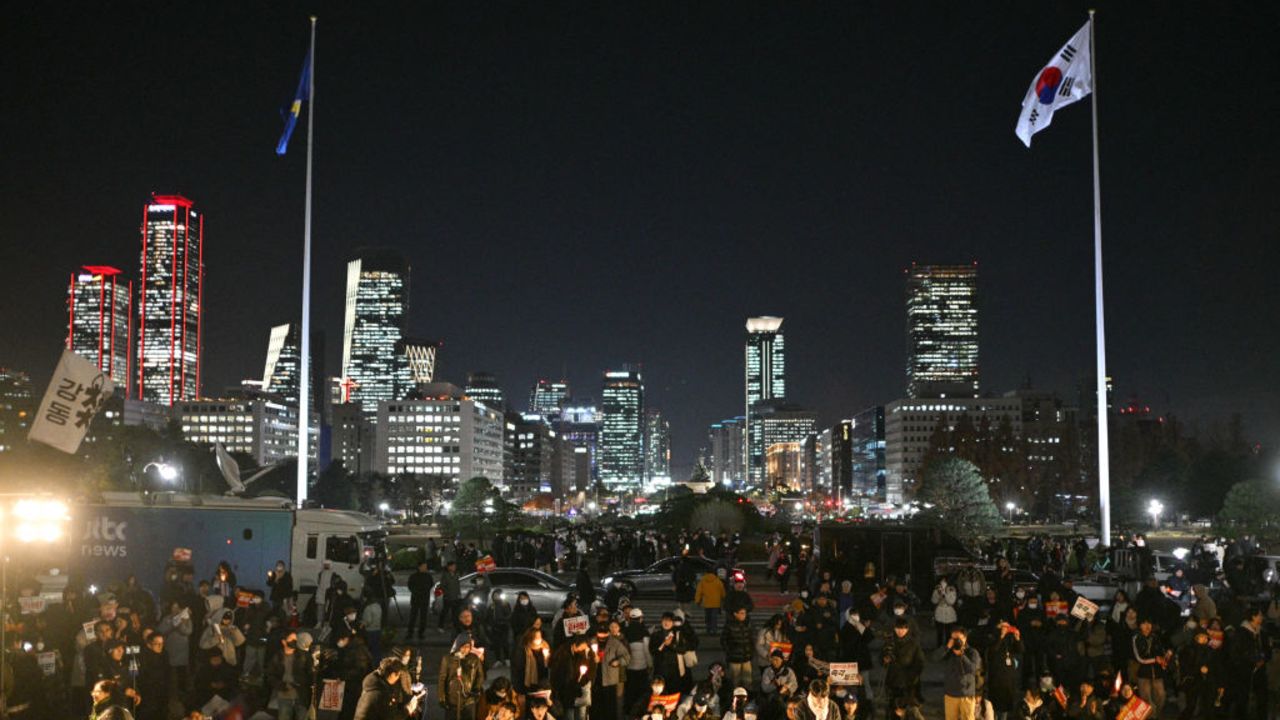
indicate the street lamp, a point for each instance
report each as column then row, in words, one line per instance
column 1010, row 507
column 167, row 472
column 1154, row 508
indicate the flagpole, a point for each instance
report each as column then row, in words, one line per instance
column 304, row 384
column 1104, row 453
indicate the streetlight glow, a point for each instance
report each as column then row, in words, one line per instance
column 1154, row 508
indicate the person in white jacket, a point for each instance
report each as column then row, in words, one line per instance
column 221, row 633
column 944, row 609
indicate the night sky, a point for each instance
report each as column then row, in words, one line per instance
column 581, row 185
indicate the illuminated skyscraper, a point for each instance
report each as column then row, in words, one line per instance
column 727, row 455
column 376, row 313
column 622, row 434
column 579, row 426
column 417, row 366
column 98, row 321
column 280, row 374
column 942, row 331
column 766, row 380
column 17, row 404
column 170, row 303
column 483, row 387
column 657, row 447
column 548, row 398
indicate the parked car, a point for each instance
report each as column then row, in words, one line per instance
column 546, row 592
column 656, row 579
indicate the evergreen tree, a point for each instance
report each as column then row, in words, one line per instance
column 960, row 501
column 1251, row 506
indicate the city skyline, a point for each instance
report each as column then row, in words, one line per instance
column 707, row 199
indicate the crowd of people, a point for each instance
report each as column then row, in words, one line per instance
column 845, row 643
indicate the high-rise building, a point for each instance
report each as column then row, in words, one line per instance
column 419, row 363
column 868, row 452
column 783, row 467
column 99, row 321
column 910, row 424
column 727, row 442
column 777, row 421
column 374, row 324
column 622, row 433
column 483, row 387
column 262, row 426
column 533, row 456
column 657, row 448
column 942, row 331
column 833, row 460
column 17, row 405
column 443, row 433
column 548, row 398
column 579, row 426
column 765, row 380
column 284, row 362
column 351, row 438
column 170, row 303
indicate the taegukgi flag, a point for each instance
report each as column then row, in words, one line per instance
column 1066, row 79
column 76, row 393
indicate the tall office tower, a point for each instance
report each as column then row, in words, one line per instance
column 867, row 446
column 170, row 303
column 533, row 457
column 727, row 440
column 98, row 323
column 622, row 434
column 284, row 363
column 778, row 422
column 579, row 426
column 374, row 322
column 833, row 464
column 418, row 365
column 483, row 387
column 657, row 447
column 17, row 405
column 548, row 398
column 942, row 331
column 351, row 438
column 765, row 380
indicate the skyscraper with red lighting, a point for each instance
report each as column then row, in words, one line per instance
column 99, row 322
column 170, row 302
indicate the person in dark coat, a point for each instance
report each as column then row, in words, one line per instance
column 665, row 647
column 380, row 697
column 154, row 679
column 1003, row 666
column 1062, row 647
column 522, row 615
column 281, row 582
column 904, row 663
column 420, row 585
column 1246, row 668
column 586, row 590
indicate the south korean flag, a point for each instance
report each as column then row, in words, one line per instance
column 1066, row 79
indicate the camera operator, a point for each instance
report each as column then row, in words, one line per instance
column 960, row 667
column 379, row 696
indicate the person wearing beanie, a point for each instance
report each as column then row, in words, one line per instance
column 461, row 680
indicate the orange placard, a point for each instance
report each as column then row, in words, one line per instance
column 1054, row 608
column 1135, row 709
column 243, row 598
column 486, row 564
column 783, row 646
column 668, row 701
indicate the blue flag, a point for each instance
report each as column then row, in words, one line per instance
column 291, row 119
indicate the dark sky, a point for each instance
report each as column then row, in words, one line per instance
column 579, row 186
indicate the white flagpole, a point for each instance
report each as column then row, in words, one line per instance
column 1104, row 453
column 304, row 385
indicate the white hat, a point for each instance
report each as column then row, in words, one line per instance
column 635, row 613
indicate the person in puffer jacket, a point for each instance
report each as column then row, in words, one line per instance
column 944, row 609
column 738, row 646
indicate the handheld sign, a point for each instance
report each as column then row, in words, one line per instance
column 667, row 701
column 48, row 663
column 1054, row 608
column 845, row 673
column 31, row 605
column 576, row 625
column 1215, row 639
column 486, row 564
column 331, row 696
column 785, row 647
column 1084, row 609
column 1135, row 709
